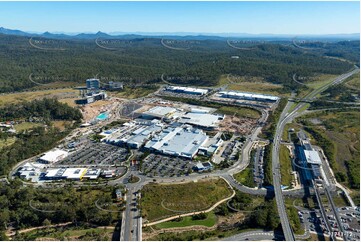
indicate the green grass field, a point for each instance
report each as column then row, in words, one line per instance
column 354, row 81
column 240, row 112
column 26, row 125
column 14, row 98
column 131, row 93
column 320, row 80
column 161, row 201
column 245, row 177
column 188, row 221
column 9, row 141
column 69, row 233
column 252, row 84
column 285, row 163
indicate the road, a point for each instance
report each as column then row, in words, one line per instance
column 287, row 230
column 285, row 118
column 255, row 235
column 131, row 228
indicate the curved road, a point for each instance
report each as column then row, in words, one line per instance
column 255, row 235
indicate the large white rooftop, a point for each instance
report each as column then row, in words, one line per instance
column 201, row 119
column 54, row 155
column 179, row 141
column 189, row 90
column 159, row 111
column 74, row 173
column 248, row 95
column 312, row 157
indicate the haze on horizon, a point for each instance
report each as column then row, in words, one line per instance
column 314, row 18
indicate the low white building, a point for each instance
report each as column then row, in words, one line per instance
column 92, row 173
column 53, row 156
column 312, row 157
column 187, row 90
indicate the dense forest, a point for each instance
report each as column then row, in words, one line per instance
column 69, row 205
column 144, row 60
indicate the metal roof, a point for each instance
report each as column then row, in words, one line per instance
column 180, row 141
column 248, row 95
column 312, row 157
column 201, row 119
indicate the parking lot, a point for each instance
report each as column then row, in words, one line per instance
column 350, row 219
column 99, row 154
column 258, row 172
column 165, row 166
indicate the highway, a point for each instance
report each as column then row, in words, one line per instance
column 287, row 230
column 286, row 117
column 131, row 228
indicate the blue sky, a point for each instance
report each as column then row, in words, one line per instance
column 199, row 17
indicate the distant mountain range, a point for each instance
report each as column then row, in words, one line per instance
column 179, row 35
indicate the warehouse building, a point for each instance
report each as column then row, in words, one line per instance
column 201, row 120
column 186, row 90
column 53, row 156
column 181, row 141
column 248, row 96
column 159, row 112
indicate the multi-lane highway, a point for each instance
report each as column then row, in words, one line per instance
column 286, row 117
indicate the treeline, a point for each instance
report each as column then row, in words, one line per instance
column 353, row 173
column 68, row 205
column 145, row 60
column 45, row 109
column 320, row 104
column 265, row 216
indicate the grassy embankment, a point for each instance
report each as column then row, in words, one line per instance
column 158, row 200
column 134, row 92
column 209, row 221
column 246, row 176
column 286, row 167
column 251, row 84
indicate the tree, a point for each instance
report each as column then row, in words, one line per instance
column 46, row 222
